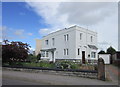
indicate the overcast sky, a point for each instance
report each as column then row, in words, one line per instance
column 101, row 17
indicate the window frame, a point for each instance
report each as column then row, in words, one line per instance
column 46, row 42
column 93, row 54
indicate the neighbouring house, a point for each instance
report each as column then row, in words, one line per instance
column 116, row 58
column 105, row 57
column 74, row 43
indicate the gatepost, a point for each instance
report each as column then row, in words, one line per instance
column 101, row 69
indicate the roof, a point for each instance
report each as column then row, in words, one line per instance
column 68, row 29
column 51, row 49
column 92, row 46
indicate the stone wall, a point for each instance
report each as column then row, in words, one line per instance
column 65, row 73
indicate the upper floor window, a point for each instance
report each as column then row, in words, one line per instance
column 91, row 39
column 66, row 37
column 80, row 36
column 46, row 42
column 53, row 41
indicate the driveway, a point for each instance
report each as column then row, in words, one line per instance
column 113, row 72
column 47, row 79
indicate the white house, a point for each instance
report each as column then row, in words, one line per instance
column 73, row 43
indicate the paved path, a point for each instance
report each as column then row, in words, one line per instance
column 49, row 79
column 113, row 72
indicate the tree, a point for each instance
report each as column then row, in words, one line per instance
column 111, row 50
column 101, row 52
column 39, row 56
column 14, row 51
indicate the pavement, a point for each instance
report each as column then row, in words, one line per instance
column 113, row 73
column 30, row 78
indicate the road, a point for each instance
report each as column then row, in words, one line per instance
column 30, row 78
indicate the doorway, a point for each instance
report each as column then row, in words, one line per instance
column 83, row 57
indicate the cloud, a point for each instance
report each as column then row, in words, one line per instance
column 86, row 13
column 67, row 13
column 30, row 34
column 100, row 15
column 44, row 31
column 10, row 33
column 19, row 32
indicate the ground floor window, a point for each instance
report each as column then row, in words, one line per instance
column 78, row 51
column 44, row 54
column 65, row 51
column 93, row 54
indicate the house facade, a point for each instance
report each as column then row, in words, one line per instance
column 74, row 43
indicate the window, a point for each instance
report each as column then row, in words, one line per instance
column 93, row 54
column 80, row 36
column 46, row 41
column 91, row 39
column 78, row 51
column 43, row 54
column 66, row 37
column 46, row 53
column 53, row 41
column 65, row 51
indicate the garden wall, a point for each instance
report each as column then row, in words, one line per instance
column 80, row 73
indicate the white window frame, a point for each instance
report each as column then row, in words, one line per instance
column 46, row 42
column 93, row 54
column 66, row 37
column 66, row 51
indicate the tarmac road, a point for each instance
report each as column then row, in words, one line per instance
column 30, row 78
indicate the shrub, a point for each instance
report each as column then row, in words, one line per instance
column 67, row 65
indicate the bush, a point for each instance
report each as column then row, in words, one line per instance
column 32, row 58
column 67, row 65
column 74, row 66
column 40, row 64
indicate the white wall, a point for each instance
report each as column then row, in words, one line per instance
column 85, row 41
column 61, row 44
column 106, row 58
column 72, row 44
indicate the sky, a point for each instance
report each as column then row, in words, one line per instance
column 27, row 21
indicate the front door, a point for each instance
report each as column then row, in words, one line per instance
column 83, row 57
